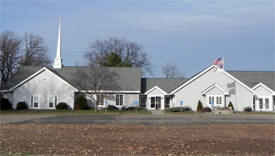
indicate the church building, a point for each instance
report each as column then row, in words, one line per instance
column 45, row 87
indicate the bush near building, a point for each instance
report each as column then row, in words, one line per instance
column 5, row 104
column 179, row 109
column 21, row 105
column 231, row 105
column 62, row 105
column 199, row 107
column 81, row 102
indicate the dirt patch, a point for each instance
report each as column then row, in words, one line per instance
column 60, row 139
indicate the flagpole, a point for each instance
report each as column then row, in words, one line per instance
column 223, row 63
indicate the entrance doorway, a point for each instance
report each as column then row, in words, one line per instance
column 155, row 102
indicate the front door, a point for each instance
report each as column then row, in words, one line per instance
column 155, row 102
column 158, row 102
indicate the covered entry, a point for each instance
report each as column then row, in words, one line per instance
column 155, row 98
column 215, row 96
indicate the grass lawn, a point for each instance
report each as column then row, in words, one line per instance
column 72, row 112
column 184, row 113
column 258, row 113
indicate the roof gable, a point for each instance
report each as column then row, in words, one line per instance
column 35, row 74
column 205, row 71
column 155, row 88
column 264, row 86
column 252, row 78
column 166, row 84
column 213, row 87
column 129, row 78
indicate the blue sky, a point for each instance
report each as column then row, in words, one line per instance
column 188, row 33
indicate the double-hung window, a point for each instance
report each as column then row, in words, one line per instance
column 34, row 102
column 261, row 105
column 211, row 100
column 266, row 103
column 119, row 100
column 219, row 100
column 51, row 101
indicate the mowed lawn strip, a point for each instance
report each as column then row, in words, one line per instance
column 52, row 139
column 73, row 112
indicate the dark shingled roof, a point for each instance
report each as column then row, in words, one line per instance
column 21, row 74
column 252, row 78
column 165, row 84
column 129, row 78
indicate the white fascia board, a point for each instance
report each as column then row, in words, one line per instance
column 231, row 76
column 4, row 91
column 27, row 79
column 109, row 91
column 35, row 74
column 213, row 86
column 261, row 84
column 61, row 79
column 189, row 81
column 156, row 87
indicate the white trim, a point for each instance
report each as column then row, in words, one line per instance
column 213, row 86
column 206, row 70
column 32, row 101
column 119, row 100
column 189, row 81
column 48, row 102
column 61, row 79
column 108, row 91
column 35, row 74
column 27, row 79
column 261, row 84
column 156, row 87
column 215, row 100
column 270, row 106
column 161, row 102
column 239, row 82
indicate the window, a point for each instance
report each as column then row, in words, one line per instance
column 31, row 101
column 260, row 103
column 167, row 102
column 100, row 99
column 211, row 100
column 153, row 99
column 119, row 100
column 55, row 100
column 143, row 99
column 219, row 100
column 51, row 101
column 266, row 103
column 34, row 101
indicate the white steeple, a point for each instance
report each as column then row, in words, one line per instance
column 58, row 61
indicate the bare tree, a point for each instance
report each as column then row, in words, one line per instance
column 171, row 71
column 9, row 56
column 96, row 81
column 35, row 51
column 130, row 52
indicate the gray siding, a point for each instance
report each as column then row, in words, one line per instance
column 191, row 94
column 44, row 85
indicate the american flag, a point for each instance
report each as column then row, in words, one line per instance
column 219, row 62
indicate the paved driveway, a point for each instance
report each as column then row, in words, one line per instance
column 101, row 119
